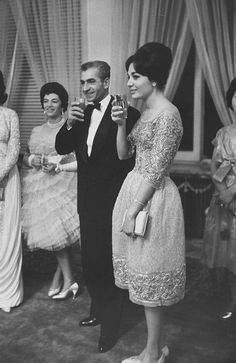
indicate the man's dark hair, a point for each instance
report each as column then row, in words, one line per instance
column 104, row 69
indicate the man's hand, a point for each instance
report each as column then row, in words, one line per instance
column 75, row 114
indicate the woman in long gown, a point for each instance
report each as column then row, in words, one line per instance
column 49, row 192
column 219, row 247
column 11, row 284
column 152, row 267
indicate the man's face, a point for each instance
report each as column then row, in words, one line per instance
column 93, row 87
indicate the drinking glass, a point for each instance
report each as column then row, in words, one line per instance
column 121, row 100
column 81, row 102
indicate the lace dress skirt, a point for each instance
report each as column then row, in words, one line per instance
column 151, row 268
column 49, row 214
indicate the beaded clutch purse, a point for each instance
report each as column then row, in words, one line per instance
column 140, row 223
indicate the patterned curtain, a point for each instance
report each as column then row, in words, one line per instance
column 137, row 22
column 50, row 34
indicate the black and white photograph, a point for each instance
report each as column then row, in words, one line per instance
column 117, row 181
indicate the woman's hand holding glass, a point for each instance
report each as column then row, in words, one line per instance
column 119, row 109
column 36, row 161
column 76, row 111
column 47, row 166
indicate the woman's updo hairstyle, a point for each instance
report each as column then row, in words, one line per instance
column 229, row 94
column 152, row 60
column 58, row 89
column 3, row 94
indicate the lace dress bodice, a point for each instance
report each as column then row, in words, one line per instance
column 9, row 140
column 42, row 139
column 156, row 138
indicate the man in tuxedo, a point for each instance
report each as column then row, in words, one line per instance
column 92, row 135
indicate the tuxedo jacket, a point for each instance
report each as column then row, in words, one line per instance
column 101, row 174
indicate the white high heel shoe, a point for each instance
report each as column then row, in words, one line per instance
column 6, row 309
column 73, row 289
column 52, row 292
column 165, row 353
column 133, row 359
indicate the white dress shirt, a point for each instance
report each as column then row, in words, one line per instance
column 96, row 118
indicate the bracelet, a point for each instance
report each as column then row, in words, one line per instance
column 59, row 168
column 30, row 159
column 139, row 202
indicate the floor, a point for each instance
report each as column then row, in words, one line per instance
column 45, row 331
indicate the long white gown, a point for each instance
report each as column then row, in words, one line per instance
column 11, row 284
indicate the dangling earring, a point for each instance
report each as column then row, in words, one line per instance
column 154, row 84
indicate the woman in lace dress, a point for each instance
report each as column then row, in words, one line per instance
column 11, row 285
column 219, row 247
column 49, row 190
column 152, row 267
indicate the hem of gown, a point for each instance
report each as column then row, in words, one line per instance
column 51, row 248
column 161, row 302
column 151, row 289
column 4, row 305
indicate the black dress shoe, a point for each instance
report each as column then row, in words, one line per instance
column 106, row 343
column 90, row 321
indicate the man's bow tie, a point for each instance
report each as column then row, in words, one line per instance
column 94, row 105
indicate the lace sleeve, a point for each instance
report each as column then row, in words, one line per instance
column 131, row 145
column 167, row 134
column 13, row 146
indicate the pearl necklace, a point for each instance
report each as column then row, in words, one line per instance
column 54, row 125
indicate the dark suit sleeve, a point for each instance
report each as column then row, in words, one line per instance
column 132, row 117
column 65, row 140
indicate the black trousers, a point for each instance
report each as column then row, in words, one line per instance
column 96, row 248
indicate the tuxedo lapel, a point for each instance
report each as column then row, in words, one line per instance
column 103, row 129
